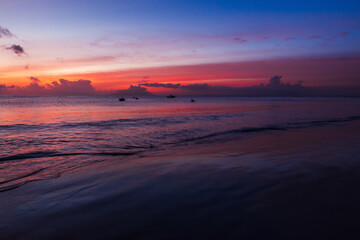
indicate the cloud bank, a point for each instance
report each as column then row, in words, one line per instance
column 164, row 85
column 60, row 87
column 274, row 88
column 134, row 91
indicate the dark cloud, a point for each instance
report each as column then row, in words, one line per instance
column 164, row 85
column 66, row 87
column 17, row 49
column 206, row 89
column 34, row 80
column 203, row 87
column 4, row 32
column 240, row 40
column 134, row 91
column 60, row 87
column 275, row 87
column 5, row 89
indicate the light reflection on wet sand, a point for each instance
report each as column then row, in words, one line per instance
column 298, row 184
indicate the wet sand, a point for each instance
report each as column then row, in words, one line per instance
column 295, row 184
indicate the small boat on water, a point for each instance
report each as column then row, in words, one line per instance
column 122, row 99
column 170, row 96
column 192, row 100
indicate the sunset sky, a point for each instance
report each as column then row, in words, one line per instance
column 116, row 43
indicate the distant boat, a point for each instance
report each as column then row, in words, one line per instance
column 192, row 100
column 170, row 96
column 136, row 98
column 122, row 99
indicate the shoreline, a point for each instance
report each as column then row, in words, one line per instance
column 261, row 178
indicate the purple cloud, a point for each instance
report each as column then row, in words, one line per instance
column 17, row 49
column 164, row 85
column 275, row 87
column 289, row 39
column 34, row 80
column 66, row 87
column 134, row 91
column 61, row 87
column 240, row 40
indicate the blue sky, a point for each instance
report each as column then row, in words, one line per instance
column 63, row 37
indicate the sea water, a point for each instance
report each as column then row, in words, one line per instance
column 210, row 157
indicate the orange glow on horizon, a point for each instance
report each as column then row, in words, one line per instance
column 314, row 72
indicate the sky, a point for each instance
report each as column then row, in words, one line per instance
column 111, row 44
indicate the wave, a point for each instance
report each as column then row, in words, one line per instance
column 49, row 154
column 50, row 171
column 23, row 176
column 151, row 145
column 116, row 122
column 283, row 127
column 327, row 121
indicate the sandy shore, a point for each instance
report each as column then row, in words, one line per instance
column 297, row 184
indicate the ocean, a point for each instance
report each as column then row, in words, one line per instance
column 159, row 168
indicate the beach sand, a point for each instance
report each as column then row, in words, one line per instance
column 294, row 184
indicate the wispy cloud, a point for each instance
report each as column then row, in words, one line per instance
column 4, row 32
column 240, row 40
column 315, row 37
column 340, row 35
column 164, row 85
column 289, row 39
